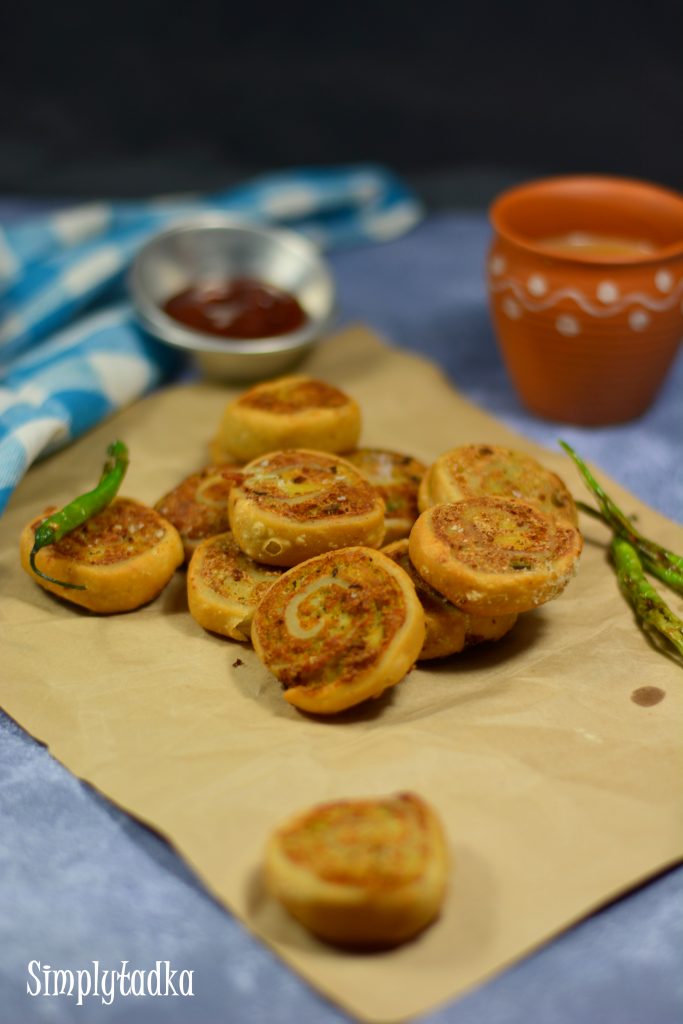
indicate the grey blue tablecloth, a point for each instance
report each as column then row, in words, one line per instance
column 81, row 881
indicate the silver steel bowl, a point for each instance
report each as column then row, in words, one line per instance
column 211, row 247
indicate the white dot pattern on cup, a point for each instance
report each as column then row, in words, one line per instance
column 537, row 285
column 607, row 292
column 664, row 282
column 512, row 309
column 568, row 325
column 638, row 320
column 497, row 266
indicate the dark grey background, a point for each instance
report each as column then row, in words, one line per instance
column 131, row 99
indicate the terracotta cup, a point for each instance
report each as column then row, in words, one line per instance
column 587, row 334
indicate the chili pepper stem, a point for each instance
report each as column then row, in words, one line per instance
column 632, row 554
column 622, row 526
column 668, row 575
column 44, row 575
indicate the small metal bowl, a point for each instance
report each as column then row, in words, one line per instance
column 215, row 247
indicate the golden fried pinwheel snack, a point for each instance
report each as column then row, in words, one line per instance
column 488, row 470
column 368, row 873
column 198, row 506
column 339, row 628
column 397, row 478
column 123, row 556
column 494, row 556
column 295, row 504
column 224, row 586
column 449, row 630
column 288, row 412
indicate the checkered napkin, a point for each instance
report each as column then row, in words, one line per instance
column 70, row 351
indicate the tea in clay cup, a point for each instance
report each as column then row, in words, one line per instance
column 585, row 281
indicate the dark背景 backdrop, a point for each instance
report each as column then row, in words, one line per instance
column 130, row 99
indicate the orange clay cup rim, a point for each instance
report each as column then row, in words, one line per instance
column 559, row 184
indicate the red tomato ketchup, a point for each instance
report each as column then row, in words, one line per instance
column 240, row 308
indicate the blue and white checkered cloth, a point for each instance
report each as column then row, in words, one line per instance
column 70, row 350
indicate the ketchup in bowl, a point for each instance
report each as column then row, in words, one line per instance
column 240, row 308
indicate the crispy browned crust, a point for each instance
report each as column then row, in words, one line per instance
column 291, row 395
column 224, row 586
column 449, row 630
column 397, row 478
column 367, row 872
column 289, row 412
column 124, row 556
column 339, row 628
column 198, row 506
column 304, row 485
column 488, row 470
column 292, row 505
column 494, row 556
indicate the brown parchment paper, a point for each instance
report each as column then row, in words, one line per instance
column 557, row 790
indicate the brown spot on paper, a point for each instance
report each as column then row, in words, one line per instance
column 648, row 696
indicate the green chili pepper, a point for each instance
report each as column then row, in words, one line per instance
column 661, row 562
column 652, row 611
column 631, row 553
column 82, row 508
